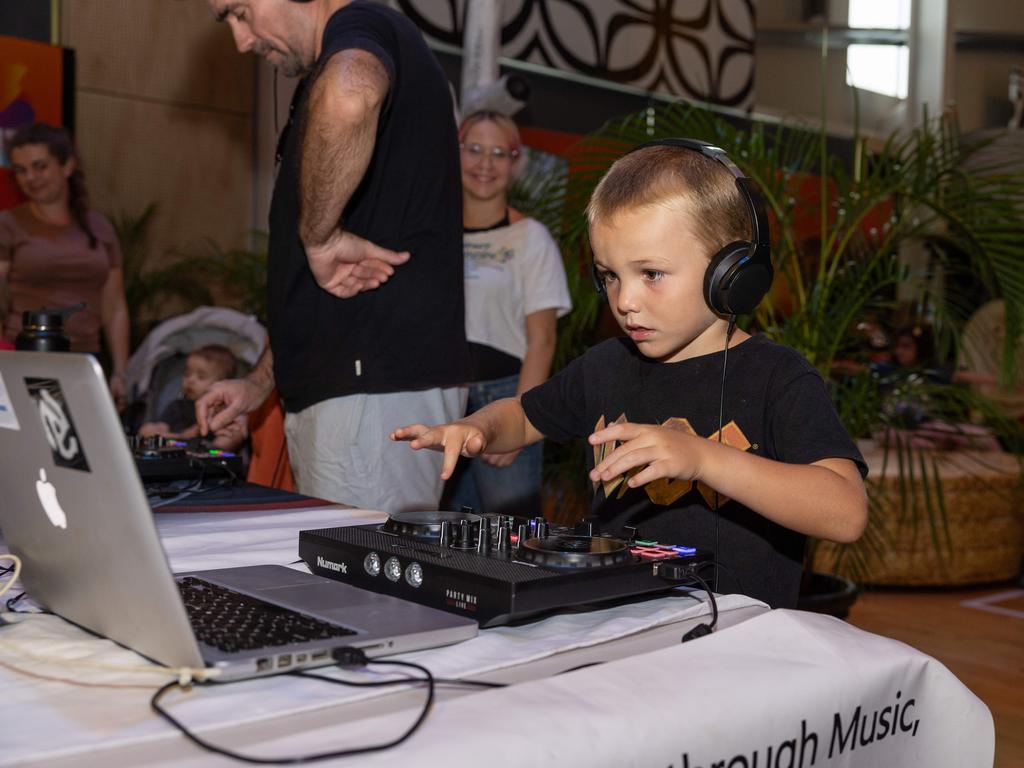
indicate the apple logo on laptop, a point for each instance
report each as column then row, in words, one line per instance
column 48, row 498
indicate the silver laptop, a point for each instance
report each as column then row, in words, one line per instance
column 73, row 509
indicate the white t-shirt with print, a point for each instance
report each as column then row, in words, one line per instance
column 511, row 272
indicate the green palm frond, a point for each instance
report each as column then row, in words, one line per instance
column 239, row 273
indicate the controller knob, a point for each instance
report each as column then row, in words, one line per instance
column 483, row 537
column 504, row 532
column 464, row 539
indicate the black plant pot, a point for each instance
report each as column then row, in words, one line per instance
column 825, row 593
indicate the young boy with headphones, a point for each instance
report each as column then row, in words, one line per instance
column 702, row 435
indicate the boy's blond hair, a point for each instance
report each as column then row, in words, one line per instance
column 677, row 178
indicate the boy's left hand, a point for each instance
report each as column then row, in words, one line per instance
column 662, row 452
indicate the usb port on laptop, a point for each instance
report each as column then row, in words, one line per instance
column 284, row 660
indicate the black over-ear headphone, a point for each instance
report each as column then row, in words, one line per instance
column 740, row 274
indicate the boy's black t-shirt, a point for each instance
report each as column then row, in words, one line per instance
column 409, row 334
column 776, row 406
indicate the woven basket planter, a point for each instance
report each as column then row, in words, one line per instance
column 984, row 505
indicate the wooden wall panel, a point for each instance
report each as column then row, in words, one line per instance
column 981, row 85
column 981, row 75
column 1002, row 16
column 164, row 115
column 170, row 50
column 195, row 165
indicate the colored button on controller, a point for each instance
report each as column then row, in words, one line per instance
column 660, row 551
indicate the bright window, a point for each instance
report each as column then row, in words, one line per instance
column 880, row 68
column 879, row 14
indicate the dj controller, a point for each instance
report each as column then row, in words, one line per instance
column 163, row 459
column 494, row 568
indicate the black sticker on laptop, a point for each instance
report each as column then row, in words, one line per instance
column 58, row 426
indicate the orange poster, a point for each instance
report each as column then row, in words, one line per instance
column 32, row 83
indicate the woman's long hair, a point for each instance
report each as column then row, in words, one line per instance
column 59, row 143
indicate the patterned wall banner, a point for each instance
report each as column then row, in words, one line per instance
column 699, row 49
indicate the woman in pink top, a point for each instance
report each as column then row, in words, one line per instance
column 55, row 252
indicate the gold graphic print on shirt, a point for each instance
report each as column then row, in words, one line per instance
column 602, row 450
column 665, row 491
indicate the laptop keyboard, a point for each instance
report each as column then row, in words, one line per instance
column 231, row 621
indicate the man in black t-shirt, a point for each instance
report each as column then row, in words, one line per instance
column 365, row 236
column 701, row 435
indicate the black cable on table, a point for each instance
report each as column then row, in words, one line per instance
column 703, row 629
column 344, row 657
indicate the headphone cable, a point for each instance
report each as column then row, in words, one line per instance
column 721, row 419
column 277, row 128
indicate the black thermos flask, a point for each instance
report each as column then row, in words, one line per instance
column 43, row 331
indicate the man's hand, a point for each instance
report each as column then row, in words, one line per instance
column 455, row 439
column 232, row 435
column 347, row 264
column 661, row 451
column 225, row 402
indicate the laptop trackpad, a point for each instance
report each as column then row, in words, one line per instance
column 321, row 598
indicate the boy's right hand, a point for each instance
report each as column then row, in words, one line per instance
column 455, row 439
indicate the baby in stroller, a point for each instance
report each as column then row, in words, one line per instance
column 203, row 367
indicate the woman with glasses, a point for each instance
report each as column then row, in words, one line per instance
column 515, row 290
column 55, row 251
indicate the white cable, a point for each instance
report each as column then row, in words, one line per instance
column 185, row 675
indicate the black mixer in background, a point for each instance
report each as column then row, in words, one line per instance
column 494, row 569
column 162, row 459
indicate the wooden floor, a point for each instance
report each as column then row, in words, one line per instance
column 984, row 648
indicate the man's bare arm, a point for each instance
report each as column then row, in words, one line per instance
column 341, row 129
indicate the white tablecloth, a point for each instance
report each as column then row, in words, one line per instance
column 784, row 681
column 785, row 688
